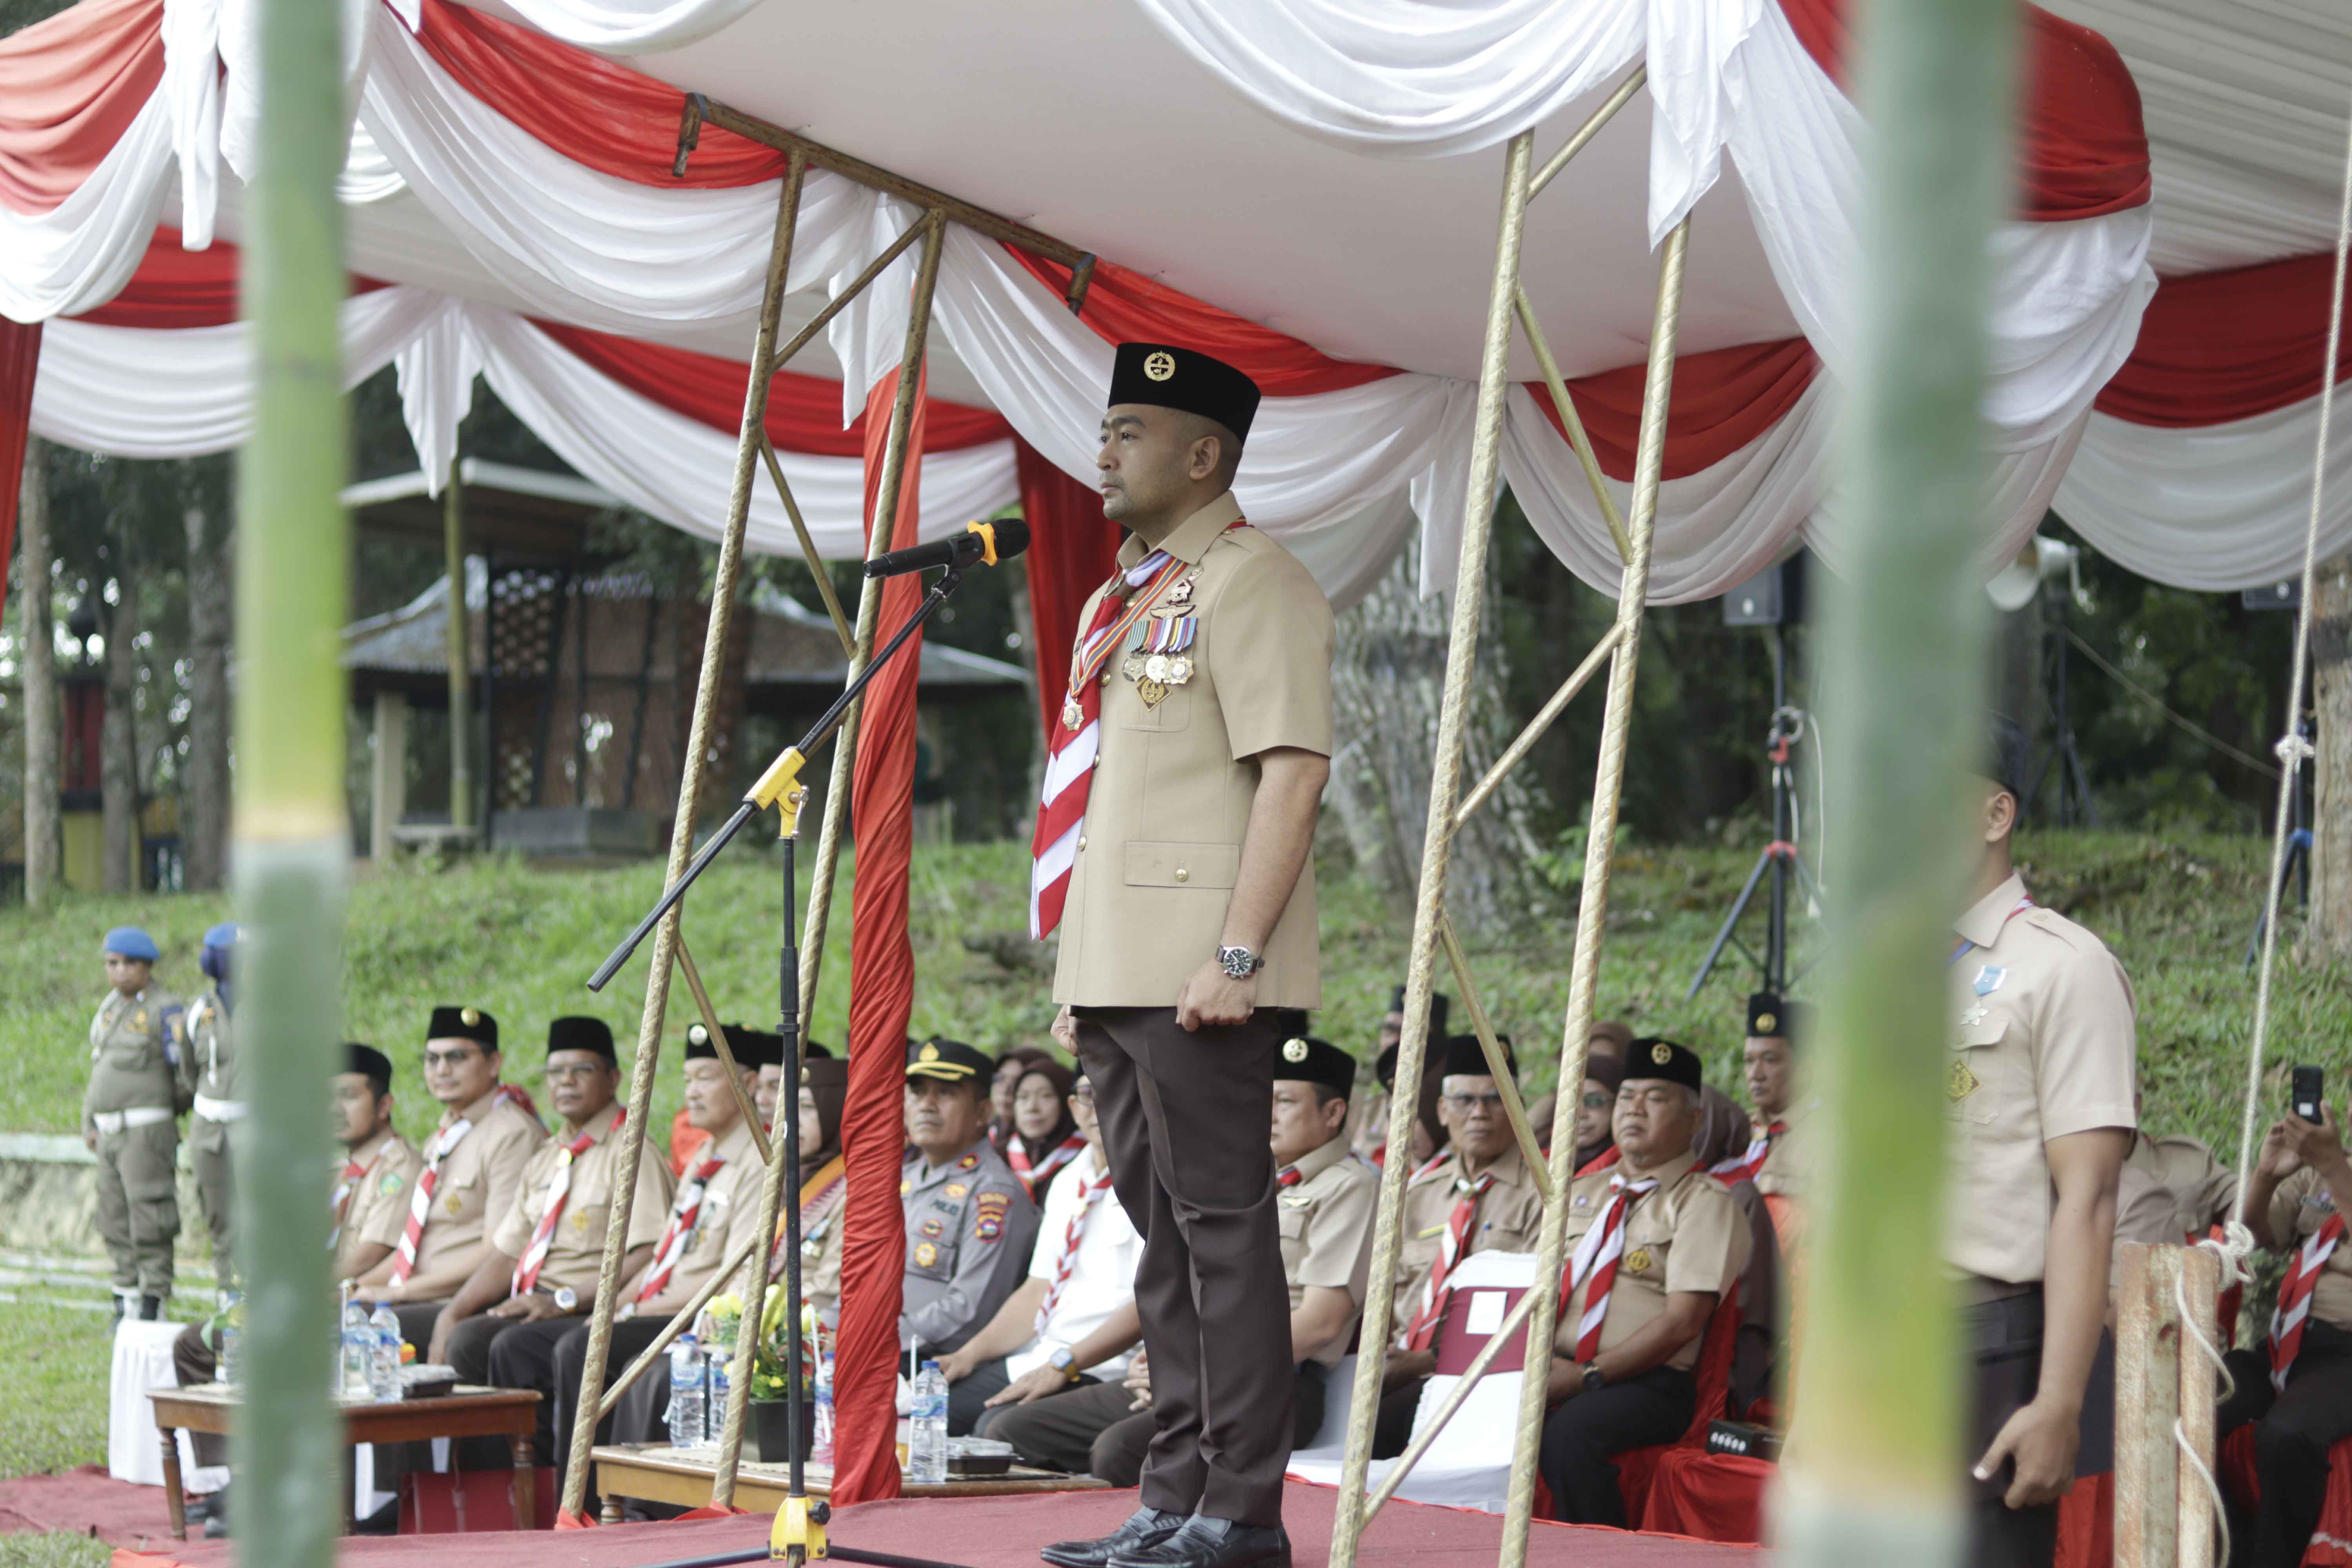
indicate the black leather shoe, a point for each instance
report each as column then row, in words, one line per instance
column 151, row 1309
column 1206, row 1543
column 1144, row 1527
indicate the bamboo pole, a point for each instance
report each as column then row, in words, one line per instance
column 1445, row 777
column 1573, row 423
column 1588, row 130
column 1515, row 1110
column 840, row 303
column 461, row 663
column 1875, row 1475
column 679, row 1322
column 1455, row 1398
column 895, row 458
column 1517, row 751
column 292, row 839
column 808, row 548
column 1593, row 909
column 723, row 581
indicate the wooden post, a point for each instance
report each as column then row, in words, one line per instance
column 388, row 778
column 2148, row 1403
column 2201, row 1348
column 44, row 775
column 461, row 668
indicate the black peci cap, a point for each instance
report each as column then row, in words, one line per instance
column 463, row 1024
column 1465, row 1058
column 2008, row 755
column 370, row 1063
column 1162, row 375
column 1305, row 1059
column 952, row 1061
column 1771, row 1017
column 1653, row 1058
column 582, row 1034
column 752, row 1047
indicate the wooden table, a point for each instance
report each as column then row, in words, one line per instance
column 470, row 1411
column 653, row 1472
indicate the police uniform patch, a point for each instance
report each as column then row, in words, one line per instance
column 1961, row 1082
column 934, row 1229
column 1638, row 1260
column 926, row 1255
column 988, row 1227
column 988, row 1211
column 956, row 1189
column 138, row 1019
column 969, row 1163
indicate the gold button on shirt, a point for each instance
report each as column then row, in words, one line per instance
column 1686, row 1234
column 2040, row 1023
column 1172, row 787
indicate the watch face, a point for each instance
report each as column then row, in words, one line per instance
column 565, row 1299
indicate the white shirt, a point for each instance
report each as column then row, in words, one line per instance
column 1102, row 1277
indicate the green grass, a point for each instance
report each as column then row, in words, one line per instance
column 57, row 1360
column 519, row 940
column 59, row 1551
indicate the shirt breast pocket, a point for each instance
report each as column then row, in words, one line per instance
column 1972, row 1078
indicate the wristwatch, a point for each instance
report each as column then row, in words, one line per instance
column 566, row 1298
column 1594, row 1378
column 1060, row 1361
column 1239, row 963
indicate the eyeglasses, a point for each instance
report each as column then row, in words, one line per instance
column 1466, row 1104
column 456, row 1058
column 572, row 1070
column 1083, row 1092
column 1598, row 1102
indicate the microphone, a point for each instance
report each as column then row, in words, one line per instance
column 979, row 543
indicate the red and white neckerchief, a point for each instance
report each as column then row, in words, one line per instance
column 684, row 1213
column 354, row 1173
column 2295, row 1298
column 1288, row 1176
column 1036, row 1174
column 526, row 1271
column 1090, row 1188
column 519, row 1097
column 1424, row 1327
column 420, row 1204
column 1595, row 1263
column 1077, row 743
column 1743, row 1167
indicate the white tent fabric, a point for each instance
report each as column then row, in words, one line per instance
column 79, row 254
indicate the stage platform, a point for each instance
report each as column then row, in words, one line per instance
column 1005, row 1532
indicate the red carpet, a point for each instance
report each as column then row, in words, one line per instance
column 85, row 1502
column 1005, row 1532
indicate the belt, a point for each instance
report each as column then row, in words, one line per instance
column 1979, row 1292
column 119, row 1120
column 213, row 1110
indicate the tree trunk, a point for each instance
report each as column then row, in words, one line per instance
column 42, row 739
column 204, row 824
column 1388, row 680
column 117, row 778
column 2330, row 931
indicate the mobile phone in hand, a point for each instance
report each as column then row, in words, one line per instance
column 2304, row 1096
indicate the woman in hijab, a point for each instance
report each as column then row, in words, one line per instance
column 824, row 1186
column 1016, row 1061
column 1596, row 1107
column 1044, row 1136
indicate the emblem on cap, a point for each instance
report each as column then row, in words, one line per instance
column 696, row 1035
column 1661, row 1053
column 1159, row 366
column 930, row 1053
column 1294, row 1050
column 472, row 1016
column 1766, row 1023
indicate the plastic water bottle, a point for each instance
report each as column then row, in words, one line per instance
column 231, row 1329
column 359, row 1351
column 822, row 1449
column 384, row 1373
column 718, row 1376
column 927, row 1439
column 685, row 1405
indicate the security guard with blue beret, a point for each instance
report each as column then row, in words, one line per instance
column 208, row 1084
column 130, row 1120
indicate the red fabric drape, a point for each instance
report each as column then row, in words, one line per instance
column 20, row 355
column 2082, row 147
column 1721, row 401
column 1123, row 307
column 70, row 88
column 804, row 411
column 881, row 1000
column 592, row 110
column 176, row 287
column 1071, row 548
column 2228, row 346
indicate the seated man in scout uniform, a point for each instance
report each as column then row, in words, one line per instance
column 970, row 1225
column 1655, row 1241
column 473, row 1171
column 1328, row 1198
column 1065, row 1334
column 2204, row 1192
column 130, row 1120
column 1477, row 1196
column 2300, row 1391
column 546, row 1253
column 1372, row 1128
column 1768, row 1168
column 208, row 1082
column 715, row 1213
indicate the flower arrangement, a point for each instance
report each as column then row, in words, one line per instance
column 722, row 1321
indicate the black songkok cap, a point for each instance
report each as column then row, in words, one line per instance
column 752, row 1047
column 1771, row 1017
column 464, row 1024
column 579, row 1034
column 1466, row 1058
column 2008, row 755
column 952, row 1061
column 1165, row 376
column 809, row 1050
column 369, row 1062
column 1652, row 1057
column 1305, row 1059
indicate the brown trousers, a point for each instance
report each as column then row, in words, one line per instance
column 1184, row 1118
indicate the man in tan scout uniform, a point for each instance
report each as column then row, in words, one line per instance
column 208, row 1084
column 1476, row 1196
column 1177, row 820
column 1327, row 1199
column 130, row 1120
column 2040, row 1092
column 2203, row 1191
column 1654, row 1243
column 473, row 1170
column 547, row 1251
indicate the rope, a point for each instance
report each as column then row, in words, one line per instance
column 2153, row 701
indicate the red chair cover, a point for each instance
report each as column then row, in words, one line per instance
column 1635, row 1467
column 2331, row 1544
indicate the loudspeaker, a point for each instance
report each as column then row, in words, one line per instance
column 1773, row 597
column 2284, row 594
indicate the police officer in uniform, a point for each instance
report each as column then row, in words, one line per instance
column 1178, row 820
column 970, row 1222
column 130, row 1120
column 1653, row 1241
column 209, row 1076
column 2039, row 1100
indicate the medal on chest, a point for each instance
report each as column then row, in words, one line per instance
column 1988, row 981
